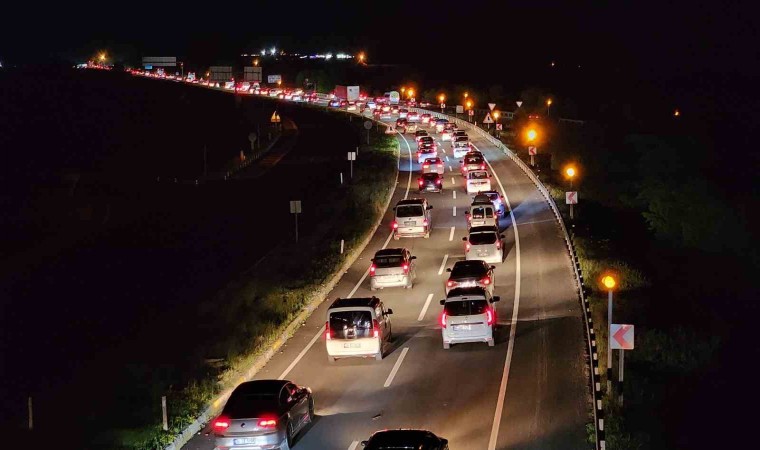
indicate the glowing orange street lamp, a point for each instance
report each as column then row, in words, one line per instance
column 609, row 282
column 532, row 134
column 256, row 62
column 548, row 105
column 410, row 93
column 570, row 172
column 362, row 57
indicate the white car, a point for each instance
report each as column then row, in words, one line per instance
column 392, row 267
column 461, row 146
column 484, row 243
column 413, row 218
column 357, row 327
column 433, row 165
column 468, row 316
column 478, row 181
column 446, row 135
column 482, row 213
column 351, row 106
column 402, row 113
column 413, row 116
column 425, row 152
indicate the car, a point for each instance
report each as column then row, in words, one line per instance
column 475, row 272
column 401, row 123
column 426, row 150
column 405, row 439
column 371, row 105
column 461, row 146
column 351, row 106
column 392, row 267
column 471, row 162
column 425, row 118
column 394, row 109
column 402, row 113
column 357, row 328
column 478, row 181
column 439, row 125
column 497, row 200
column 413, row 116
column 263, row 414
column 334, row 104
column 420, row 134
column 412, row 218
column 430, row 182
column 446, row 135
column 385, row 114
column 386, row 108
column 481, row 213
column 468, row 316
column 484, row 243
column 433, row 165
column 411, row 127
column 459, row 133
column 425, row 140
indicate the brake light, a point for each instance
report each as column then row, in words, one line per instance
column 221, row 423
column 489, row 314
column 486, row 281
column 372, row 270
column 425, row 223
column 394, row 225
column 406, row 268
column 498, row 245
column 451, row 283
column 420, row 182
column 467, row 247
column 375, row 328
column 443, row 319
column 267, row 423
column 425, row 166
column 439, row 181
column 328, row 332
column 482, row 167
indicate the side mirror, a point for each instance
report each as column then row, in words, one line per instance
column 413, row 257
column 364, row 443
column 501, row 236
column 390, row 311
column 493, row 267
column 443, row 302
column 430, row 207
column 448, row 270
column 464, row 239
column 495, row 299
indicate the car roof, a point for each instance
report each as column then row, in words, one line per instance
column 411, row 201
column 371, row 302
column 431, row 175
column 260, row 386
column 411, row 439
column 468, row 292
column 482, row 230
column 390, row 252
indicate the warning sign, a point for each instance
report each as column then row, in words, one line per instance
column 532, row 150
column 488, row 118
column 498, row 127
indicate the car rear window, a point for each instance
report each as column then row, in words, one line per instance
column 388, row 261
column 478, row 175
column 482, row 238
column 247, row 405
column 481, row 212
column 461, row 139
column 409, row 211
column 468, row 270
column 466, row 307
column 345, row 324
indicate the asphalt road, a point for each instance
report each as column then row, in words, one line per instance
column 529, row 391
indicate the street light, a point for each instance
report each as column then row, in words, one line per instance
column 279, row 82
column 532, row 134
column 441, row 99
column 256, row 62
column 102, row 57
column 468, row 103
column 609, row 282
column 410, row 93
column 570, row 172
column 548, row 104
column 362, row 56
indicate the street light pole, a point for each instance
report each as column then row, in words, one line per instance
column 609, row 342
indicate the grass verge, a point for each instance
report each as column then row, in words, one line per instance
column 259, row 305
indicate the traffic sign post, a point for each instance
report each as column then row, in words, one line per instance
column 622, row 339
column 571, row 198
column 470, row 113
column 532, row 150
column 367, row 126
column 295, row 209
column 491, row 106
column 488, row 120
column 351, row 159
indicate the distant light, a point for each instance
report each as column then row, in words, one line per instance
column 245, row 54
column 609, row 282
column 552, row 63
column 361, row 57
column 328, row 56
column 677, row 113
column 263, row 53
column 255, row 62
column 570, row 171
column 532, row 134
column 273, row 50
column 549, row 102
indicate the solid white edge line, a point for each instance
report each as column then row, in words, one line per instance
column 512, row 327
column 425, row 308
column 356, row 287
column 396, row 366
column 451, row 234
column 443, row 264
column 353, row 445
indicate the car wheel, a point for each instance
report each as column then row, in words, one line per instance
column 491, row 343
column 446, row 345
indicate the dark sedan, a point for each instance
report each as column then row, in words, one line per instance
column 264, row 414
column 430, row 182
column 405, row 439
column 471, row 273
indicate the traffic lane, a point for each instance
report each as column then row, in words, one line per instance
column 298, row 347
column 549, row 354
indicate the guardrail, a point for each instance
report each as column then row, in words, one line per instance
column 590, row 336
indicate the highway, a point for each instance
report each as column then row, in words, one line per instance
column 529, row 391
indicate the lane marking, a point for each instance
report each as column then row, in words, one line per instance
column 451, row 235
column 353, row 445
column 512, row 327
column 450, row 169
column 454, row 211
column 443, row 264
column 452, row 181
column 424, row 308
column 396, row 366
column 454, row 193
column 359, row 283
column 447, row 159
column 539, row 221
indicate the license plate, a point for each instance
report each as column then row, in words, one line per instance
column 408, row 222
column 243, row 441
column 352, row 345
column 468, row 284
column 462, row 327
column 482, row 253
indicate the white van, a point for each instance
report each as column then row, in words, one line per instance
column 482, row 213
column 357, row 327
column 413, row 218
column 468, row 316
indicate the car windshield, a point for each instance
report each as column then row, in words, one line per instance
column 246, row 405
column 482, row 238
column 349, row 324
column 409, row 211
column 478, row 175
column 427, row 147
column 466, row 307
column 388, row 261
column 493, row 196
column 468, row 269
column 482, row 212
column 426, row 140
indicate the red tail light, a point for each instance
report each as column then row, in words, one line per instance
column 490, row 316
column 221, row 423
column 486, row 281
column 420, row 182
column 406, row 268
column 267, row 423
column 425, row 223
column 375, row 328
column 467, row 247
column 394, row 225
column 328, row 332
column 372, row 270
column 443, row 319
column 439, row 181
column 498, row 245
column 451, row 283
column 482, row 167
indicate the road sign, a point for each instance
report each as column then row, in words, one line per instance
column 571, row 198
column 519, row 104
column 471, row 112
column 622, row 337
column 488, row 118
column 275, row 117
column 394, row 97
column 460, row 109
column 295, row 206
column 443, row 105
column 352, row 156
column 491, row 106
column 368, row 125
column 532, row 150
column 498, row 127
column 271, row 79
